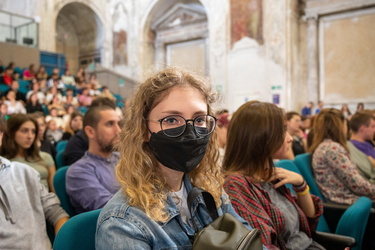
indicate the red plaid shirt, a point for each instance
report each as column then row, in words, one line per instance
column 253, row 204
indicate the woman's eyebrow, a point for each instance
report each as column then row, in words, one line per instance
column 175, row 112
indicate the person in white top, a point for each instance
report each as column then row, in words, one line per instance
column 55, row 81
column 68, row 78
column 35, row 89
column 14, row 106
column 53, row 116
column 52, row 92
column 69, row 98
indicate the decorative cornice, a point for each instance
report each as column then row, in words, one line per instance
column 180, row 15
column 316, row 8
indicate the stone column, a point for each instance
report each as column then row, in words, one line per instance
column 312, row 59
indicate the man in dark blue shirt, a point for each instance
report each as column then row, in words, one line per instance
column 306, row 111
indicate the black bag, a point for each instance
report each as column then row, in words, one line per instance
column 225, row 232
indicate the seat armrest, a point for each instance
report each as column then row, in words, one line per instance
column 334, row 241
column 334, row 206
column 343, row 207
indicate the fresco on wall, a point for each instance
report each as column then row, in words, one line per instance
column 246, row 20
column 119, row 36
column 120, row 54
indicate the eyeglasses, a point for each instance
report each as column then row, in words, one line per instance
column 175, row 125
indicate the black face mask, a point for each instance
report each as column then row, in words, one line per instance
column 182, row 153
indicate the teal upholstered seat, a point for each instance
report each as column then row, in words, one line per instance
column 60, row 189
column 78, row 232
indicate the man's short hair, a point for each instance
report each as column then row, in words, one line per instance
column 92, row 116
column 290, row 115
column 360, row 119
column 99, row 101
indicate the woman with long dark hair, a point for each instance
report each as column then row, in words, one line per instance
column 28, row 206
column 336, row 174
column 33, row 105
column 256, row 136
column 74, row 124
column 20, row 144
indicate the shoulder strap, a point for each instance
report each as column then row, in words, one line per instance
column 208, row 200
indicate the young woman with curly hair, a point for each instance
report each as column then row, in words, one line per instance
column 166, row 148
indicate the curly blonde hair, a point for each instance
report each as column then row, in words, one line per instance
column 137, row 171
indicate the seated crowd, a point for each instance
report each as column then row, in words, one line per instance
column 29, row 91
column 140, row 173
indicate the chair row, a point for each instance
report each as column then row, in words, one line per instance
column 79, row 231
column 352, row 223
column 343, row 220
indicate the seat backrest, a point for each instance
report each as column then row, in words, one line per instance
column 23, row 90
column 4, row 88
column 354, row 221
column 61, row 145
column 60, row 160
column 45, row 109
column 23, row 83
column 303, row 163
column 287, row 164
column 60, row 189
column 83, row 109
column 78, row 232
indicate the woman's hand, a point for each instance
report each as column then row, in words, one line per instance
column 286, row 177
column 305, row 201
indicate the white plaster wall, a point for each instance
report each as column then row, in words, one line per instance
column 259, row 72
column 218, row 43
column 29, row 8
column 251, row 75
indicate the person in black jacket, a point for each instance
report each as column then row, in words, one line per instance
column 293, row 127
column 33, row 105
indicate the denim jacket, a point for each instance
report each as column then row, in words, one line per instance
column 121, row 226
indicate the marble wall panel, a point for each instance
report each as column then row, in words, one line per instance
column 189, row 55
column 348, row 58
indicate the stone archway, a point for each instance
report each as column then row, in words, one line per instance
column 79, row 35
column 172, row 30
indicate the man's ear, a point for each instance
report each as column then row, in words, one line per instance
column 361, row 128
column 90, row 132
